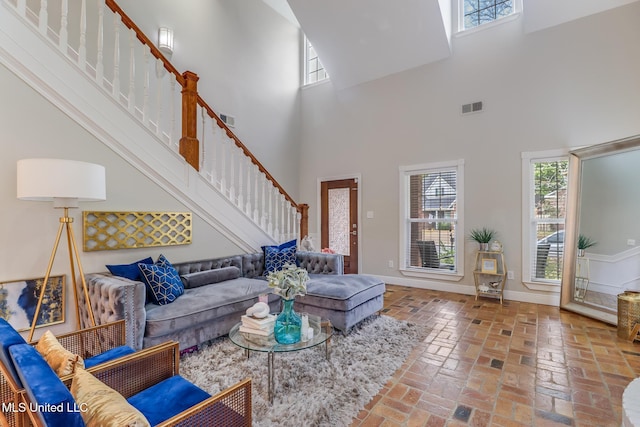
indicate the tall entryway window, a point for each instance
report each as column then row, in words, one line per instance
column 339, row 220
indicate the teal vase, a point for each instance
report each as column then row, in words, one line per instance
column 288, row 324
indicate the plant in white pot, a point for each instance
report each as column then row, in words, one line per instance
column 483, row 236
column 584, row 242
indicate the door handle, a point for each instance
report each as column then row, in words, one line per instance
column 354, row 233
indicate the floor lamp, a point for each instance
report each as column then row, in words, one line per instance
column 65, row 182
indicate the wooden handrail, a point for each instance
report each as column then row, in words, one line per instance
column 189, row 140
column 246, row 151
column 145, row 40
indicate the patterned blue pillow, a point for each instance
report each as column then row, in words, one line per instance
column 130, row 271
column 162, row 280
column 275, row 258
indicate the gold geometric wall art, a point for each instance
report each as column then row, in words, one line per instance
column 126, row 230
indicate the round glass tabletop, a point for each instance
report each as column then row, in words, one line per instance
column 322, row 332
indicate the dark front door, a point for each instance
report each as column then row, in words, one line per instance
column 339, row 220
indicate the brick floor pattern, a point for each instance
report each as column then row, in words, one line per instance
column 519, row 364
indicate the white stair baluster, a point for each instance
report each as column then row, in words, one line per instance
column 223, row 161
column 159, row 82
column 43, row 18
column 296, row 224
column 204, row 162
column 232, row 171
column 145, row 92
column 263, row 219
column 240, row 201
column 256, row 190
column 270, row 212
column 214, row 157
column 172, row 134
column 64, row 22
column 276, row 216
column 131, row 98
column 82, row 49
column 99, row 41
column 247, row 209
column 290, row 208
column 283, row 216
column 116, row 56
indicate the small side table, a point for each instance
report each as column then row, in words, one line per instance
column 582, row 279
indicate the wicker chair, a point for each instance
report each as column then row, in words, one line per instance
column 145, row 370
column 90, row 343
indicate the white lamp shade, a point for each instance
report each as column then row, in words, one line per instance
column 63, row 181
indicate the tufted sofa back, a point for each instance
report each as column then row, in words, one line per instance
column 252, row 265
column 208, row 264
column 319, row 263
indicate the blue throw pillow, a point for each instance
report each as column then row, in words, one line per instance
column 276, row 257
column 162, row 280
column 290, row 243
column 129, row 271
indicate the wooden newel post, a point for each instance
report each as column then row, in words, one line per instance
column 304, row 219
column 189, row 141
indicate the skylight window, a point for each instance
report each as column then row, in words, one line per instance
column 480, row 12
column 314, row 70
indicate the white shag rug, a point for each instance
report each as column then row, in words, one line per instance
column 310, row 390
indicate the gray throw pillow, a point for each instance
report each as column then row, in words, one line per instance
column 207, row 277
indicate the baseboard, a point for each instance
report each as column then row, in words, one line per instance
column 528, row 297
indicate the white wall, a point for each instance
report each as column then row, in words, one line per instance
column 571, row 85
column 248, row 60
column 32, row 127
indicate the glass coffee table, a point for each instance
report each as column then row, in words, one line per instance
column 322, row 332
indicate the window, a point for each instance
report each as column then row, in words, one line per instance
column 314, row 71
column 474, row 13
column 431, row 226
column 544, row 202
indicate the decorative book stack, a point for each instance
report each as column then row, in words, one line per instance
column 253, row 325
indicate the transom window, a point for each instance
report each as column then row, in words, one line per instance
column 479, row 12
column 431, row 218
column 546, row 212
column 314, row 70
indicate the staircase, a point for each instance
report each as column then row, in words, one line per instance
column 91, row 61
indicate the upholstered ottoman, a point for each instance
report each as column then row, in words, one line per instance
column 343, row 299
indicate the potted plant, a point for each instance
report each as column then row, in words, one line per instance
column 483, row 236
column 288, row 282
column 584, row 242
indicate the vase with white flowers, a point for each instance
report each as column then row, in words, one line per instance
column 288, row 282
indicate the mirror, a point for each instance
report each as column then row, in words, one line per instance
column 603, row 207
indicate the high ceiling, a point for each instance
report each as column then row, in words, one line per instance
column 363, row 40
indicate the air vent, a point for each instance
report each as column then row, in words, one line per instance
column 228, row 120
column 474, row 107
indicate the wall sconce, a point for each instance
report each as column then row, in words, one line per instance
column 165, row 40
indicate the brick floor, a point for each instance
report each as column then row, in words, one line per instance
column 519, row 364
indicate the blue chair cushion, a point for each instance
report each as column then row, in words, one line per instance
column 275, row 257
column 108, row 355
column 45, row 388
column 167, row 398
column 129, row 271
column 8, row 337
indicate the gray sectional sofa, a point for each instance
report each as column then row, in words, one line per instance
column 218, row 291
